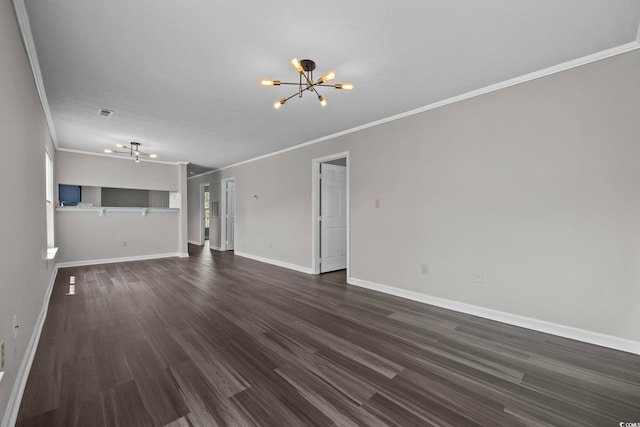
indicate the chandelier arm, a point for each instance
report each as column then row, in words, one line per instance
column 309, row 82
column 296, row 94
column 316, row 90
column 132, row 153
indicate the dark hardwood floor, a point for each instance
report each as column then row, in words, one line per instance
column 222, row 340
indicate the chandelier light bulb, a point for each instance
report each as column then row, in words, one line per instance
column 344, row 86
column 323, row 101
column 137, row 159
column 327, row 77
column 295, row 63
column 279, row 104
column 269, row 82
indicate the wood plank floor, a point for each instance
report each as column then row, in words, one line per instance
column 222, row 340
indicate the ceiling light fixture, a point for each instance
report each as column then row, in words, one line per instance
column 134, row 151
column 305, row 69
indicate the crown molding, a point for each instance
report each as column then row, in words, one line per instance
column 604, row 54
column 202, row 174
column 30, row 47
column 111, row 156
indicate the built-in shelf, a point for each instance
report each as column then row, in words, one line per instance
column 102, row 211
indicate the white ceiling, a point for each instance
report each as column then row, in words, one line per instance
column 182, row 77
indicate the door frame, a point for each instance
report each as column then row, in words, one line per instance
column 223, row 210
column 201, row 210
column 315, row 210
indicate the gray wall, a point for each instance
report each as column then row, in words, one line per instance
column 23, row 137
column 87, row 236
column 126, row 197
column 118, row 172
column 158, row 199
column 535, row 186
column 92, row 195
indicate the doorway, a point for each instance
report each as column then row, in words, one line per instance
column 330, row 213
column 228, row 220
column 205, row 212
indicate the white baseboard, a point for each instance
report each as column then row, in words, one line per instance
column 275, row 262
column 508, row 318
column 215, row 248
column 123, row 259
column 13, row 406
column 193, row 242
column 182, row 255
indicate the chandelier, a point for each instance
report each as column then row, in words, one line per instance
column 133, row 151
column 305, row 69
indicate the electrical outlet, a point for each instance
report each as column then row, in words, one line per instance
column 478, row 277
column 124, row 243
column 424, row 268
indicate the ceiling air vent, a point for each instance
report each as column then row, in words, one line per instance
column 105, row 113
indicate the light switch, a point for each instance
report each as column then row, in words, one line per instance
column 377, row 203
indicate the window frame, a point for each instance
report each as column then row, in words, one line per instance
column 49, row 200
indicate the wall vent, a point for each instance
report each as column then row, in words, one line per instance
column 105, row 113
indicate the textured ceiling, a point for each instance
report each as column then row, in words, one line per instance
column 182, row 77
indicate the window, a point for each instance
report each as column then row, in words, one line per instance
column 49, row 199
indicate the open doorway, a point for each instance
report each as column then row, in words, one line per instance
column 228, row 220
column 205, row 212
column 330, row 206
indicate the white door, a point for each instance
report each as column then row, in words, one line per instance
column 231, row 213
column 333, row 217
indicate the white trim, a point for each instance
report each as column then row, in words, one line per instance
column 13, row 406
column 618, row 50
column 193, row 242
column 183, row 255
column 294, row 267
column 315, row 209
column 508, row 318
column 32, row 54
column 200, row 174
column 101, row 211
column 201, row 211
column 114, row 156
column 223, row 211
column 215, row 248
column 51, row 254
column 122, row 259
